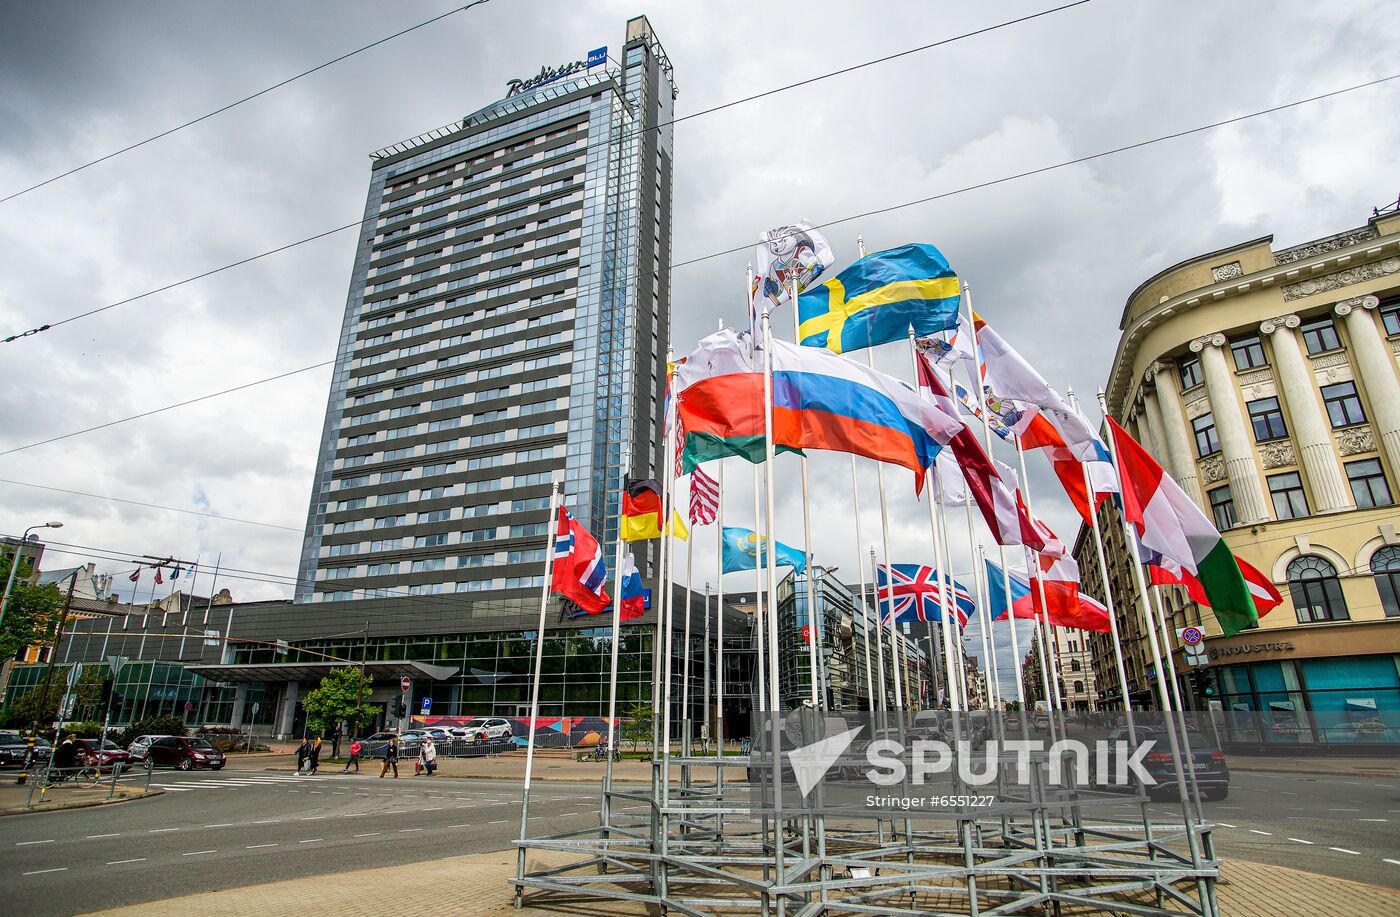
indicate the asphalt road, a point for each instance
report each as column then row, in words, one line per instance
column 220, row 830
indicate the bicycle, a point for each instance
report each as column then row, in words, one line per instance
column 86, row 776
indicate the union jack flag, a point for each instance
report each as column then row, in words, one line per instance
column 913, row 590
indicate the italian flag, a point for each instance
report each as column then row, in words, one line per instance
column 1169, row 523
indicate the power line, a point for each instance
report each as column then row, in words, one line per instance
column 637, row 132
column 846, row 219
column 169, row 407
column 170, row 509
column 247, row 98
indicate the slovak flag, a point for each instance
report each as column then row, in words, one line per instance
column 913, row 591
column 579, row 571
column 633, row 595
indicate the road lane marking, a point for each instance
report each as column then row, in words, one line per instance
column 27, row 843
column 501, row 822
column 354, row 815
column 311, row 817
column 195, row 853
column 406, row 830
column 310, row 840
column 1257, row 831
column 431, row 809
column 257, row 846
column 459, row 826
column 120, row 862
column 268, row 821
column 1391, row 862
column 1371, row 819
column 161, row 830
column 226, row 824
column 93, row 837
column 40, row 872
column 1354, row 853
column 1343, row 810
column 367, row 834
column 1299, row 840
column 1225, row 824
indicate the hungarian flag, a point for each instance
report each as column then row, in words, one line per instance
column 1265, row 593
column 641, row 512
column 1169, row 523
column 579, row 571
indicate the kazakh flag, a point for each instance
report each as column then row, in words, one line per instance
column 744, row 549
column 879, row 298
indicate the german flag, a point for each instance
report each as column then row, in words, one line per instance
column 641, row 512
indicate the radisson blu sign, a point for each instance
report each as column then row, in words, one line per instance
column 596, row 57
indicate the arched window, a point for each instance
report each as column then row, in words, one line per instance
column 1315, row 590
column 1079, row 687
column 1385, row 567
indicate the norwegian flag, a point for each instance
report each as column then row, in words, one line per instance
column 704, row 498
column 913, row 590
column 579, row 571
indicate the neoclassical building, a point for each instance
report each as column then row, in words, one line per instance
column 1266, row 383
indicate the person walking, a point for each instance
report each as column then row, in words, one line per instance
column 315, row 754
column 335, row 741
column 391, row 757
column 303, row 752
column 355, row 749
column 429, row 755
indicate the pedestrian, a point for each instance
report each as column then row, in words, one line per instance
column 315, row 754
column 355, row 749
column 335, row 741
column 303, row 752
column 429, row 755
column 391, row 757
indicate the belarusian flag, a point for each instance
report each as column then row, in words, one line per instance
column 1169, row 523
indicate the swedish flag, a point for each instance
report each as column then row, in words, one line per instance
column 879, row 298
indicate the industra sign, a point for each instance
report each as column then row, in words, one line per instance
column 549, row 74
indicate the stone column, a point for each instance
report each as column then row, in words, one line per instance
column 1235, row 441
column 1309, row 428
column 240, row 698
column 1175, row 429
column 1376, row 367
column 287, row 718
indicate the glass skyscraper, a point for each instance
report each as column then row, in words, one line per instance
column 505, row 325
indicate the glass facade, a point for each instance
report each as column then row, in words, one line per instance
column 1338, row 700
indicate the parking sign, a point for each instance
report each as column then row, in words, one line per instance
column 427, row 705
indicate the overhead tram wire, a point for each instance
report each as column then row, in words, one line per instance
column 1079, row 160
column 637, row 132
column 247, row 98
column 168, row 407
column 169, row 509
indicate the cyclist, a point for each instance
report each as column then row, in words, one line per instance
column 67, row 757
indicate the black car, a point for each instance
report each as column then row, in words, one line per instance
column 14, row 747
column 1212, row 771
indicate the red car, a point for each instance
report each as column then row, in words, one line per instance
column 183, row 752
column 108, row 756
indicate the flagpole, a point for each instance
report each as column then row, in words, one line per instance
column 535, row 687
column 860, row 572
column 185, row 606
column 1107, row 592
column 668, row 560
column 145, row 618
column 760, row 594
column 218, row 559
column 957, row 622
column 945, row 585
column 990, row 623
column 719, row 628
column 686, row 720
column 814, row 615
column 983, row 621
column 879, row 630
column 1048, row 680
column 774, row 726
column 616, row 637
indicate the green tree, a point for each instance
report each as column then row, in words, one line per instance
column 638, row 724
column 34, row 707
column 339, row 697
column 31, row 615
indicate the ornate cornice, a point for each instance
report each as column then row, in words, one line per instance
column 1208, row 340
column 1360, row 302
column 1345, row 278
column 1270, row 325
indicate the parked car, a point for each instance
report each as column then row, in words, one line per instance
column 107, row 755
column 140, row 747
column 14, row 747
column 438, row 733
column 374, row 745
column 468, row 735
column 1212, row 771
column 494, row 726
column 185, row 753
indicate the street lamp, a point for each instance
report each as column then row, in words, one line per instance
column 14, row 565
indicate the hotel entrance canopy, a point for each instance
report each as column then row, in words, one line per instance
column 315, row 671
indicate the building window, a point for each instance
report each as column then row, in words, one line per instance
column 1315, row 590
column 1222, row 507
column 1079, row 687
column 1390, row 316
column 1207, row 443
column 1248, row 351
column 1319, row 334
column 1287, row 492
column 1074, row 665
column 1343, row 404
column 1267, row 419
column 1368, row 485
column 1385, row 567
column 1190, row 370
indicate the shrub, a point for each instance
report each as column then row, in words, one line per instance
column 164, row 725
column 88, row 729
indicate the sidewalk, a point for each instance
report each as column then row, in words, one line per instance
column 13, row 796
column 481, row 880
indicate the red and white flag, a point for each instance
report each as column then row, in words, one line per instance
column 158, row 579
column 704, row 498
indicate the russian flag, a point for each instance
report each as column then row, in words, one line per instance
column 632, row 595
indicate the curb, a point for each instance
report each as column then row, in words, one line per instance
column 508, row 777
column 84, row 805
column 1314, row 772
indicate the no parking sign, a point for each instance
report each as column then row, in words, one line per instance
column 1193, row 643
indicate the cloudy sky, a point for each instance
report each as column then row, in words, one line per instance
column 1051, row 258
